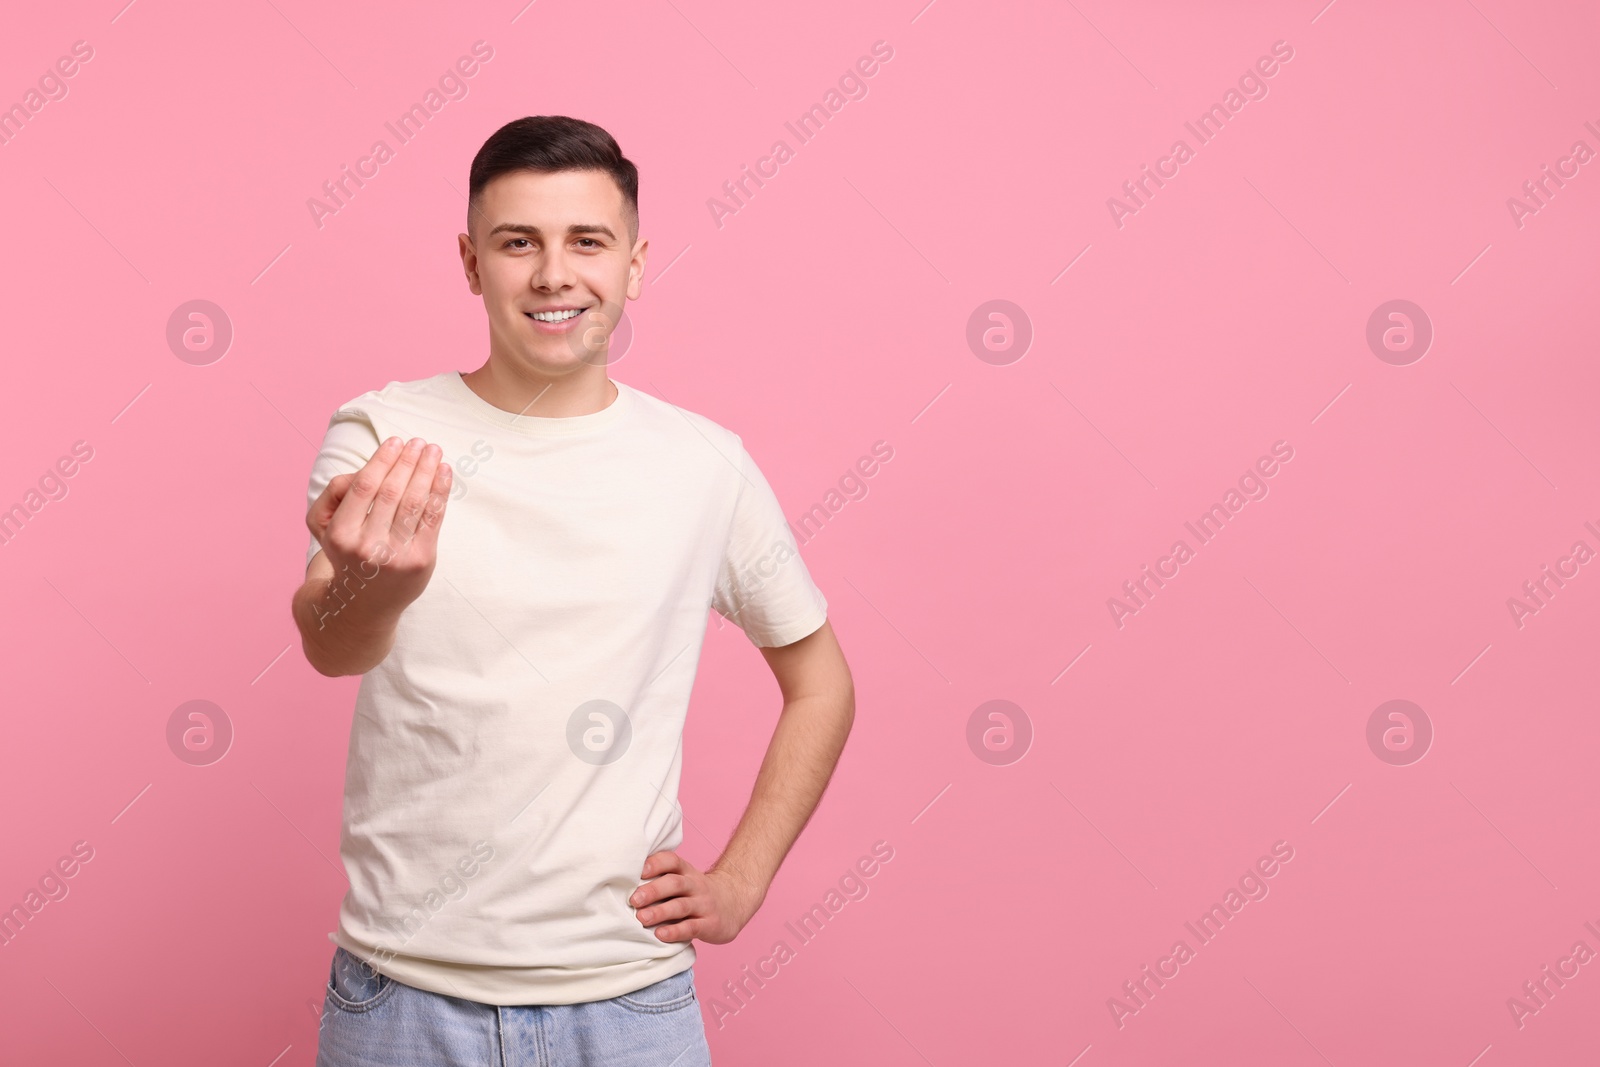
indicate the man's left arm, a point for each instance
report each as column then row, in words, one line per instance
column 819, row 705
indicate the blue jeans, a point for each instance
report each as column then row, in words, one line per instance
column 371, row 1020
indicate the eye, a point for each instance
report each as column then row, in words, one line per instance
column 514, row 240
column 591, row 240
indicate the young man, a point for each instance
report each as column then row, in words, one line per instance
column 510, row 813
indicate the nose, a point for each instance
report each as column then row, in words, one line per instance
column 552, row 271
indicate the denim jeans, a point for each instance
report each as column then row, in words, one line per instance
column 371, row 1020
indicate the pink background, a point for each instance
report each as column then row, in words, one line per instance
column 829, row 313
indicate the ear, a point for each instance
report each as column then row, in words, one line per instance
column 469, row 262
column 636, row 269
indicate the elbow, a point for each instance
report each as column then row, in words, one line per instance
column 317, row 665
column 314, row 654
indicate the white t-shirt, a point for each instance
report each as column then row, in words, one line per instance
column 515, row 757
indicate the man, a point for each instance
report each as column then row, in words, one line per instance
column 510, row 813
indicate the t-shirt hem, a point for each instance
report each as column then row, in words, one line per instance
column 508, row 986
column 788, row 635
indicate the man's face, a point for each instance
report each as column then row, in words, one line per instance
column 551, row 243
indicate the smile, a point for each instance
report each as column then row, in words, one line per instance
column 553, row 316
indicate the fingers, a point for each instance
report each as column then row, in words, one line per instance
column 433, row 512
column 672, row 910
column 386, row 501
column 661, row 862
column 324, row 506
column 668, row 885
column 415, row 496
column 400, row 494
column 687, row 930
column 351, row 512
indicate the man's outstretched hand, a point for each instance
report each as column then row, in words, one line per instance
column 386, row 516
column 684, row 902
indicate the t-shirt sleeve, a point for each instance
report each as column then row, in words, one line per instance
column 350, row 442
column 763, row 586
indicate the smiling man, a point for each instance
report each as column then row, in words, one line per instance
column 510, row 815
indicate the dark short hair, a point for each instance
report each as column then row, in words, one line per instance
column 549, row 143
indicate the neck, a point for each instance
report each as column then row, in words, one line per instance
column 525, row 392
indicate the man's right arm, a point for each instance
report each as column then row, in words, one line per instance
column 340, row 632
column 378, row 532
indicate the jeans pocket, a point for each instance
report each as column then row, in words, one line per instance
column 355, row 985
column 673, row 993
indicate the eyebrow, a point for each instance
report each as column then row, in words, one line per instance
column 534, row 231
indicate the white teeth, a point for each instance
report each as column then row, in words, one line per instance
column 555, row 316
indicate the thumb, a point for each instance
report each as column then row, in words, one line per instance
column 322, row 509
